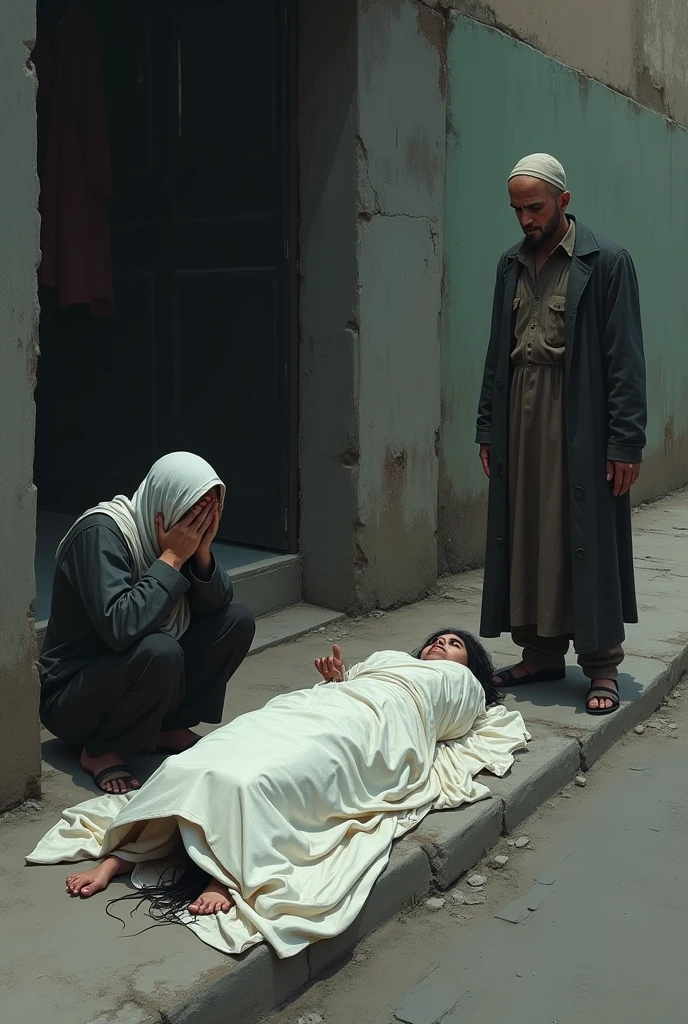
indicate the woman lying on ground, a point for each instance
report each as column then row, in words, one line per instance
column 285, row 818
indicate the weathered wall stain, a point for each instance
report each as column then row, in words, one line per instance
column 433, row 26
column 636, row 47
column 397, row 561
column 461, row 527
column 669, row 462
column 648, row 93
column 422, row 159
column 669, row 435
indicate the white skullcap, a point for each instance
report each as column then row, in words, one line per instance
column 542, row 166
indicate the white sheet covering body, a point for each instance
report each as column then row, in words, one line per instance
column 295, row 806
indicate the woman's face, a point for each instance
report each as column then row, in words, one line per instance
column 447, row 647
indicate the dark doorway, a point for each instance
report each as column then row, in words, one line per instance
column 200, row 351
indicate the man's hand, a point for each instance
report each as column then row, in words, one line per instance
column 181, row 542
column 624, row 475
column 485, row 458
column 203, row 557
column 332, row 667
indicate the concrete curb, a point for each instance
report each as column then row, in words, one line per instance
column 444, row 846
column 631, row 713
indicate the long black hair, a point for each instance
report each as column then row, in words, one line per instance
column 479, row 661
column 177, row 888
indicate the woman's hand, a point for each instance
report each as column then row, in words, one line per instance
column 332, row 667
column 180, row 543
column 203, row 558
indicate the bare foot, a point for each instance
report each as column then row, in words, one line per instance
column 177, row 740
column 215, row 899
column 86, row 883
column 122, row 781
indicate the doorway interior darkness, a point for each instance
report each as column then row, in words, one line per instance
column 200, row 353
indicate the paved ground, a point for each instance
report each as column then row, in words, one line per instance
column 607, row 943
column 66, row 961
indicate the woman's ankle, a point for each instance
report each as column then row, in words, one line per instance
column 116, row 865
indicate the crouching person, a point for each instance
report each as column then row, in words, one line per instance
column 143, row 635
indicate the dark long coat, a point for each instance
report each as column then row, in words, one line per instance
column 606, row 415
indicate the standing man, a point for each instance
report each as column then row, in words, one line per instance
column 561, row 429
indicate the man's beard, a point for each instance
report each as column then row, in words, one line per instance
column 550, row 229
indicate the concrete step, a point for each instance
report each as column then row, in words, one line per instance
column 265, row 587
column 269, row 584
column 290, row 623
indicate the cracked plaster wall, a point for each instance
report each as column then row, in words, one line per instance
column 372, row 139
column 636, row 46
column 627, row 167
column 19, row 738
column 400, row 150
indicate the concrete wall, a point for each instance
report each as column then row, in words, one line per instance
column 328, row 357
column 401, row 148
column 636, row 46
column 372, row 177
column 627, row 169
column 19, row 743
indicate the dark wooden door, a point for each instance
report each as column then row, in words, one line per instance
column 199, row 353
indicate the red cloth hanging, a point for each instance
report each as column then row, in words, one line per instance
column 75, row 173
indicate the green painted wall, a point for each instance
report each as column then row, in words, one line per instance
column 628, row 174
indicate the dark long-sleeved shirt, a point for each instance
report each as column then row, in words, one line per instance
column 98, row 608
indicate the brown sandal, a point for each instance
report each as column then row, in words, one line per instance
column 113, row 773
column 545, row 675
column 607, row 694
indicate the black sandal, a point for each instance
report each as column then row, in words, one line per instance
column 609, row 694
column 114, row 773
column 545, row 675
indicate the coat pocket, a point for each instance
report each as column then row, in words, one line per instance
column 556, row 330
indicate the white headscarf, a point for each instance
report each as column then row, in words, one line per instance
column 542, row 166
column 173, row 486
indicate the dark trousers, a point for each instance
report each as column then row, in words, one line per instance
column 541, row 652
column 124, row 701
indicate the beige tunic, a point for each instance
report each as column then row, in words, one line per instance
column 541, row 590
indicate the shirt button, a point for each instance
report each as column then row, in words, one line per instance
column 579, row 492
column 532, row 327
column 537, row 298
column 499, row 540
column 498, row 385
column 580, row 553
